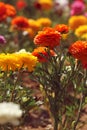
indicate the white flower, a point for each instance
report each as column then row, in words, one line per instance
column 62, row 2
column 10, row 113
column 62, row 6
column 22, row 51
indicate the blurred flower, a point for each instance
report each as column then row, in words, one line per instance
column 76, row 21
column 61, row 6
column 16, row 61
column 2, row 11
column 21, row 4
column 43, row 4
column 20, row 23
column 10, row 113
column 79, row 51
column 81, row 31
column 30, row 32
column 85, row 14
column 84, row 36
column 34, row 24
column 62, row 2
column 6, row 10
column 10, row 10
column 43, row 53
column 62, row 28
column 44, row 22
column 77, row 7
column 48, row 37
column 2, row 39
column 22, row 51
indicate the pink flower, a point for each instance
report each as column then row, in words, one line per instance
column 2, row 39
column 77, row 7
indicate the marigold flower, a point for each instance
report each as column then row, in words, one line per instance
column 81, row 31
column 2, row 11
column 48, row 37
column 21, row 4
column 79, row 50
column 28, row 61
column 10, row 10
column 20, row 23
column 44, row 4
column 44, row 22
column 43, row 53
column 76, row 21
column 62, row 28
column 9, row 62
column 16, row 61
column 34, row 24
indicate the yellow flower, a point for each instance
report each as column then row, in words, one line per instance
column 81, row 31
column 34, row 24
column 16, row 61
column 28, row 61
column 84, row 36
column 64, row 36
column 9, row 62
column 44, row 22
column 76, row 21
column 45, row 4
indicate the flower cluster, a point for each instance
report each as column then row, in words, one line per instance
column 46, row 40
column 6, row 10
column 17, row 61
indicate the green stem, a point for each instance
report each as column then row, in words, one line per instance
column 55, row 123
column 79, row 113
column 15, row 84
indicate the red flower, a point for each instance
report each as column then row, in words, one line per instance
column 43, row 54
column 62, row 28
column 48, row 37
column 20, row 23
column 10, row 10
column 79, row 51
column 2, row 11
column 20, row 4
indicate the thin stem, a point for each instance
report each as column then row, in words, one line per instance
column 79, row 113
column 82, row 99
column 15, row 84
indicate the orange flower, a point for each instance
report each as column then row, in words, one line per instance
column 62, row 28
column 20, row 23
column 10, row 10
column 31, row 32
column 2, row 11
column 43, row 53
column 79, row 51
column 48, row 37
